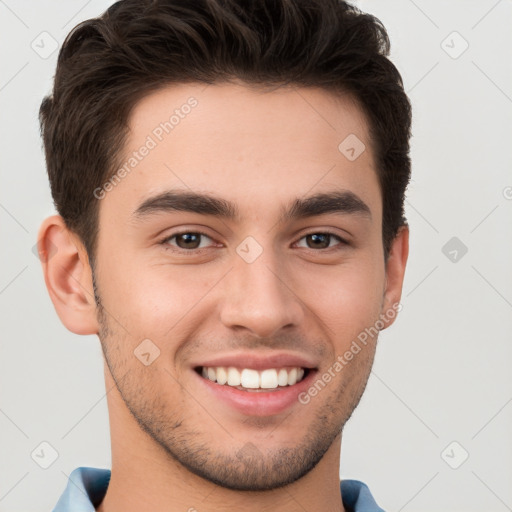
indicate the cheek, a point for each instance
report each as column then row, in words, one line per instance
column 347, row 298
column 155, row 301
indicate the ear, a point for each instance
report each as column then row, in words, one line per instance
column 67, row 275
column 395, row 270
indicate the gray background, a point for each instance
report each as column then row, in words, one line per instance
column 441, row 388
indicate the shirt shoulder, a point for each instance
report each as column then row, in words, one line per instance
column 85, row 490
column 357, row 497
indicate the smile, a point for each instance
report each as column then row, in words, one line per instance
column 248, row 379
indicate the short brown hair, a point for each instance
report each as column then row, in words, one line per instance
column 107, row 64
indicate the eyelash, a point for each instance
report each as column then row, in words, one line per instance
column 191, row 252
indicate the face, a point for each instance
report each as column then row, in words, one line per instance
column 218, row 315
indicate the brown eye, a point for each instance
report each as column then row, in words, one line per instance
column 321, row 240
column 188, row 240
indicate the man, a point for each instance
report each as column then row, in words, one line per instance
column 230, row 182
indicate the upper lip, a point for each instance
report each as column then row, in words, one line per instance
column 258, row 361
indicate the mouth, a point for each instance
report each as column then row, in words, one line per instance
column 252, row 380
column 262, row 392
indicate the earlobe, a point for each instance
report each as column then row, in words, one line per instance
column 67, row 275
column 395, row 271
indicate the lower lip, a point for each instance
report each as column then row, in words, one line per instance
column 258, row 403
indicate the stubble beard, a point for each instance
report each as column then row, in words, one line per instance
column 243, row 466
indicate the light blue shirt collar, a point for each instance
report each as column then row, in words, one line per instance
column 87, row 487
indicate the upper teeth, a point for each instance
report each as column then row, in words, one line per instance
column 249, row 378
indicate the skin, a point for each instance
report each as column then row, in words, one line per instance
column 174, row 447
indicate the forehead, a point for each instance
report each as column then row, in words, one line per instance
column 241, row 112
column 256, row 148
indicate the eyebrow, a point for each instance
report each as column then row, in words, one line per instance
column 342, row 202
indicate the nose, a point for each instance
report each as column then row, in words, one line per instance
column 259, row 297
